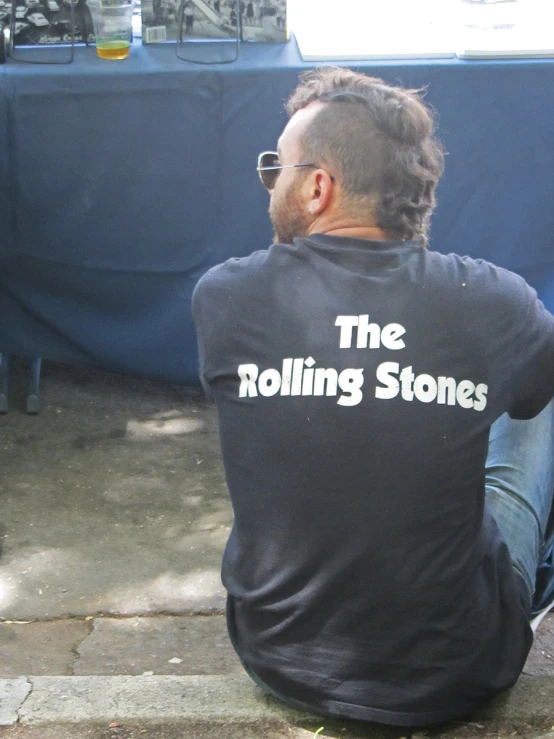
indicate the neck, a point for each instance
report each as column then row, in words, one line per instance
column 371, row 233
column 351, row 230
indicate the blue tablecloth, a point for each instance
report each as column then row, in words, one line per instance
column 122, row 182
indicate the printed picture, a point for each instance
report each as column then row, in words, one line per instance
column 48, row 21
column 261, row 20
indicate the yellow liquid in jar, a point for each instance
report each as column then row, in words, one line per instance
column 113, row 49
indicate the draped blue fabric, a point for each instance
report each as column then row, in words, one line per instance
column 121, row 183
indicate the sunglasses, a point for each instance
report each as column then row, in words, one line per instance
column 269, row 168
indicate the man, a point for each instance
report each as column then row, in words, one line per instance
column 189, row 17
column 357, row 375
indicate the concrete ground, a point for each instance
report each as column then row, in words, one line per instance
column 113, row 521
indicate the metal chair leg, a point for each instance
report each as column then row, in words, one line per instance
column 4, row 364
column 33, row 403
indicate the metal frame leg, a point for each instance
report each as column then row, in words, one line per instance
column 33, row 403
column 4, row 366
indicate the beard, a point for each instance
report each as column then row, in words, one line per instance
column 287, row 217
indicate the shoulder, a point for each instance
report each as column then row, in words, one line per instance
column 249, row 274
column 230, row 273
column 481, row 281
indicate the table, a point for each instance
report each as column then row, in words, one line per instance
column 121, row 183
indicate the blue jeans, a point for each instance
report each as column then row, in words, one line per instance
column 519, row 486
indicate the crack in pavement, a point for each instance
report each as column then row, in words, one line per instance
column 29, row 682
column 75, row 648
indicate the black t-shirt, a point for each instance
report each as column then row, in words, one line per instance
column 356, row 383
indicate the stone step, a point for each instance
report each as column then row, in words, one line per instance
column 162, row 699
column 226, row 707
column 169, row 677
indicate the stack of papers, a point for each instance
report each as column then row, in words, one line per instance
column 328, row 30
column 506, row 28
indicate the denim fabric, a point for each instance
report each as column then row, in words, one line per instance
column 519, row 486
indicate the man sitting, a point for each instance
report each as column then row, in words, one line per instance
column 390, row 514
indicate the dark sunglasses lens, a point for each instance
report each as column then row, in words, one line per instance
column 269, row 159
column 269, row 177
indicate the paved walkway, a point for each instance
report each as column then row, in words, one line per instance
column 114, row 518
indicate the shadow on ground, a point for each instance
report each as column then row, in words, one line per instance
column 113, row 498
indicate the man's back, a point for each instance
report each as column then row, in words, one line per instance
column 356, row 383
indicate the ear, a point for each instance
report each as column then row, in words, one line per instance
column 320, row 191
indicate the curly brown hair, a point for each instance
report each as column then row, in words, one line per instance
column 379, row 141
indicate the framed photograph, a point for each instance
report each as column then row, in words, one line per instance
column 264, row 20
column 47, row 22
column 261, row 20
